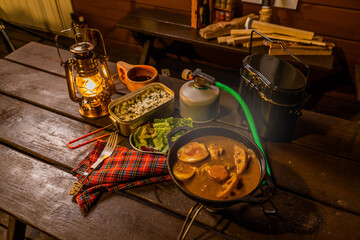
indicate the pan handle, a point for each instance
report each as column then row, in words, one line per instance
column 174, row 131
column 189, row 220
column 267, row 192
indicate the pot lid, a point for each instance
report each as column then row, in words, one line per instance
column 275, row 72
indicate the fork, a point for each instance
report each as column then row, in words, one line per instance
column 107, row 151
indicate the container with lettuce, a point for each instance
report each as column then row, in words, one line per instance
column 152, row 136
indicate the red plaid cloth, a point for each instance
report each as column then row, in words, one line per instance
column 124, row 169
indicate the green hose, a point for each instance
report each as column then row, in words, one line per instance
column 248, row 117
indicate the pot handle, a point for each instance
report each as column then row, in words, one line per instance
column 174, row 131
column 269, row 186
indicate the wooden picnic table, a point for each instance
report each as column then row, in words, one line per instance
column 316, row 174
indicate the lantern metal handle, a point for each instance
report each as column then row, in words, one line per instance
column 57, row 44
column 77, row 34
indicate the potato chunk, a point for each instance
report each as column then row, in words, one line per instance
column 192, row 152
column 183, row 171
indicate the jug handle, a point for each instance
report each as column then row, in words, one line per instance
column 288, row 52
column 123, row 68
column 283, row 48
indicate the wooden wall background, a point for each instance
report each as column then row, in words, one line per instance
column 336, row 20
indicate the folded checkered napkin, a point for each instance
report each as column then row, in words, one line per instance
column 124, row 169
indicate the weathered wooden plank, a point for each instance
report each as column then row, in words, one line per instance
column 126, row 5
column 65, row 152
column 321, row 17
column 350, row 50
column 316, row 174
column 45, row 58
column 347, row 4
column 17, row 44
column 44, row 89
column 116, row 46
column 333, row 107
column 3, row 232
column 39, row 55
column 36, row 193
column 312, row 220
column 108, row 17
column 323, row 20
column 42, row 133
column 317, row 131
column 4, row 219
column 220, row 54
column 110, row 31
column 16, row 229
column 296, row 218
column 346, row 45
column 350, row 4
column 21, row 36
column 117, row 14
column 174, row 32
column 38, row 141
column 336, row 136
column 171, row 198
column 14, row 84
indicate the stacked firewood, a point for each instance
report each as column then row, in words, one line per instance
column 298, row 42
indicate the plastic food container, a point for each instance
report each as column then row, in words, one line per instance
column 164, row 110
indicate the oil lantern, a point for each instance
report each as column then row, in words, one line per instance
column 87, row 74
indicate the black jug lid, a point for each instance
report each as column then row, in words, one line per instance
column 280, row 82
column 275, row 72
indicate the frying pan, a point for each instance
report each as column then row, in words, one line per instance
column 261, row 193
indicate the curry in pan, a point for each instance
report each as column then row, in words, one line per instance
column 217, row 168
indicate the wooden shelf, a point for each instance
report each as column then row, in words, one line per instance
column 223, row 9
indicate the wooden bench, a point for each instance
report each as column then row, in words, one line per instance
column 154, row 23
column 316, row 174
column 149, row 24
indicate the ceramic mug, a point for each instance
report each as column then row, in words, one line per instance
column 136, row 76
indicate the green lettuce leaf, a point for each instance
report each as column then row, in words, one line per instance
column 153, row 136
